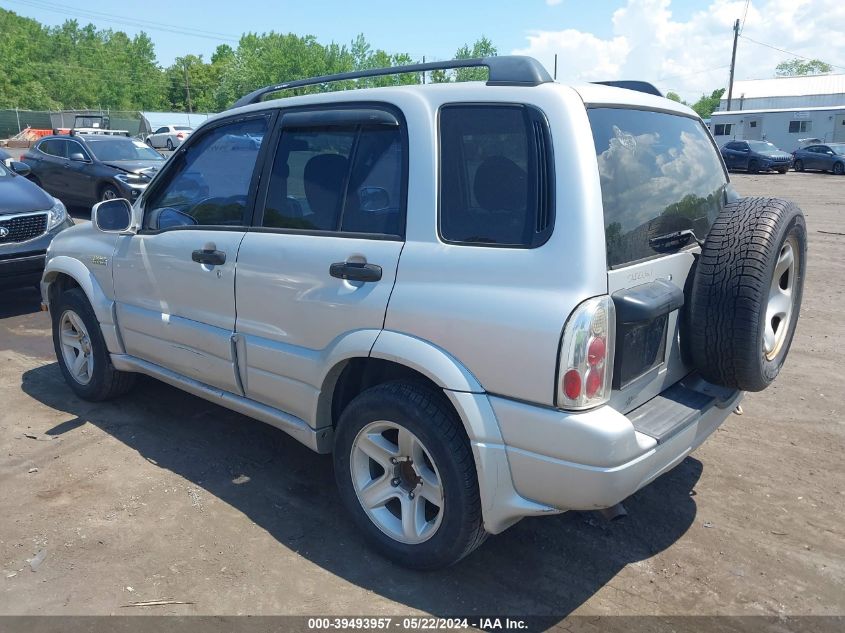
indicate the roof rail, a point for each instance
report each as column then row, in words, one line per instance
column 506, row 70
column 639, row 86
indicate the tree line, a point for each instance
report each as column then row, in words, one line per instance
column 73, row 66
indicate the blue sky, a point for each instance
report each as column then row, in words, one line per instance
column 435, row 28
column 680, row 45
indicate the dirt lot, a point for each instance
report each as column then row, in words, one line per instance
column 162, row 495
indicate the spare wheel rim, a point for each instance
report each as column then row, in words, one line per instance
column 780, row 305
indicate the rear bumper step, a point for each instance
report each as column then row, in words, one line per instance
column 678, row 407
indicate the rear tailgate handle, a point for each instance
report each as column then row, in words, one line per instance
column 354, row 271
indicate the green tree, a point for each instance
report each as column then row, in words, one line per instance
column 481, row 48
column 799, row 67
column 674, row 96
column 706, row 106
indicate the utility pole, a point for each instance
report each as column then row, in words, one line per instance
column 188, row 87
column 733, row 63
column 555, row 75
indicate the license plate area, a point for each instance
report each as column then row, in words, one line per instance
column 642, row 317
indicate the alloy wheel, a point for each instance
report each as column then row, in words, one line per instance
column 77, row 352
column 780, row 305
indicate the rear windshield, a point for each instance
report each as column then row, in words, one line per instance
column 659, row 174
column 183, row 128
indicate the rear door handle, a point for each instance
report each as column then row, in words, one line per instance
column 354, row 271
column 210, row 256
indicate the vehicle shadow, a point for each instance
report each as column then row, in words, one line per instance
column 543, row 566
column 19, row 301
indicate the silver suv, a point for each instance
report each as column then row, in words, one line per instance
column 487, row 300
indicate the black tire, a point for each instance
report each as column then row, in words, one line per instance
column 838, row 169
column 105, row 381
column 149, row 142
column 783, row 170
column 753, row 166
column 426, row 414
column 169, row 145
column 799, row 165
column 109, row 192
column 731, row 288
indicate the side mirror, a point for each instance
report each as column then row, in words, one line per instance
column 78, row 157
column 22, row 169
column 112, row 216
column 373, row 198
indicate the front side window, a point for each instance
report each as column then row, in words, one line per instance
column 210, row 184
column 346, row 179
column 495, row 176
column 659, row 174
column 76, row 148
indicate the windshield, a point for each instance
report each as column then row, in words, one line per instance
column 763, row 147
column 116, row 149
column 839, row 148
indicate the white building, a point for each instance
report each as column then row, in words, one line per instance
column 783, row 110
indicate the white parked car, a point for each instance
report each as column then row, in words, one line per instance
column 488, row 301
column 169, row 136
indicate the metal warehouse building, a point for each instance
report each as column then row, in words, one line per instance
column 784, row 111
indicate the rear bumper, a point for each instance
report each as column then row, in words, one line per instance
column 595, row 459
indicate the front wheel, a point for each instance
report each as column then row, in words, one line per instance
column 81, row 350
column 109, row 192
column 407, row 476
column 839, row 169
column 753, row 167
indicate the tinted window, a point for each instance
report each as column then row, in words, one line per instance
column 800, row 126
column 495, row 176
column 76, row 148
column 54, row 147
column 659, row 174
column 346, row 179
column 211, row 182
column 160, row 130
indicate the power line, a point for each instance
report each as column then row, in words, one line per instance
column 744, row 15
column 699, row 72
column 132, row 22
column 783, row 50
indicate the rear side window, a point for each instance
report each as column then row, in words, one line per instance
column 660, row 174
column 338, row 179
column 495, row 176
column 54, row 147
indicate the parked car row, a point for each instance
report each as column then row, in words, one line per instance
column 169, row 136
column 757, row 156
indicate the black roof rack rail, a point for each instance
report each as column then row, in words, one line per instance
column 639, row 86
column 505, row 70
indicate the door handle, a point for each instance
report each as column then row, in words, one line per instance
column 209, row 256
column 354, row 271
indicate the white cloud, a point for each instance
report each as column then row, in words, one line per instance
column 692, row 56
column 552, row 3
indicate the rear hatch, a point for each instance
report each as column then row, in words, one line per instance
column 663, row 184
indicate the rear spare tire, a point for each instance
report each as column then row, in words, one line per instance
column 746, row 293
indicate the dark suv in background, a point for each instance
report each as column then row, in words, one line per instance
column 755, row 156
column 29, row 219
column 84, row 169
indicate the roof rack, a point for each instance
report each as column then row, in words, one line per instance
column 506, row 70
column 639, row 86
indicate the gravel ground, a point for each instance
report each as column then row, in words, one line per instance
column 162, row 495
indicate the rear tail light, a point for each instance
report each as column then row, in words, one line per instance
column 180, row 136
column 586, row 355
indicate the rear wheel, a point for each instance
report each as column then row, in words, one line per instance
column 407, row 476
column 170, row 145
column 799, row 165
column 746, row 293
column 149, row 142
column 839, row 169
column 81, row 350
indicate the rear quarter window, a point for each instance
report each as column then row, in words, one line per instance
column 660, row 173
